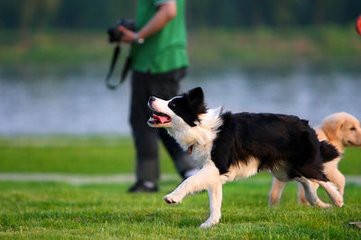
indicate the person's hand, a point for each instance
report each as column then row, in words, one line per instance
column 128, row 35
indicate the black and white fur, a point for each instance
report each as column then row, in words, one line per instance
column 235, row 146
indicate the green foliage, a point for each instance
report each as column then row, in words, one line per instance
column 319, row 47
column 54, row 48
column 330, row 47
column 27, row 15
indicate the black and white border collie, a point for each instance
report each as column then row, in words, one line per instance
column 234, row 146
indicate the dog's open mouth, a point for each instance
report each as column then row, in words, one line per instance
column 159, row 118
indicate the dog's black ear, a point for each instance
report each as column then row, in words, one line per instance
column 196, row 100
column 196, row 96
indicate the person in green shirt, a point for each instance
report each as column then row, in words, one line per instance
column 159, row 61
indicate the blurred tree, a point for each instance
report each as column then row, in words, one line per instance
column 29, row 15
column 35, row 15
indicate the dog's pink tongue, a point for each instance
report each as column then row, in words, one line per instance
column 161, row 119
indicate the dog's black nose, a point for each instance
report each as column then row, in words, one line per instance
column 151, row 99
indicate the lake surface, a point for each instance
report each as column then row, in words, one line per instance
column 79, row 103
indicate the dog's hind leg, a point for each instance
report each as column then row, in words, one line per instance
column 337, row 178
column 276, row 192
column 215, row 204
column 332, row 192
column 309, row 192
column 302, row 198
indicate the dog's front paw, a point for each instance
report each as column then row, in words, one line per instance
column 209, row 223
column 172, row 199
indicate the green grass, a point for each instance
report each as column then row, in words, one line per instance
column 95, row 155
column 351, row 163
column 46, row 210
column 72, row 155
column 59, row 211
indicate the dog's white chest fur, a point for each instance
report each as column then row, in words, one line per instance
column 198, row 139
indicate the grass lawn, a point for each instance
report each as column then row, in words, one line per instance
column 34, row 210
column 98, row 155
column 58, row 211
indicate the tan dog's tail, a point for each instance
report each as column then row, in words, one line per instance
column 328, row 151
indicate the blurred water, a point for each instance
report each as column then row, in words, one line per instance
column 80, row 103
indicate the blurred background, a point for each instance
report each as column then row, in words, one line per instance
column 299, row 57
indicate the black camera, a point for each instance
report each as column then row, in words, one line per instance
column 114, row 35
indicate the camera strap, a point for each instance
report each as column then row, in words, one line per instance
column 127, row 65
column 112, row 65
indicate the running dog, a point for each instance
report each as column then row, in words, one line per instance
column 233, row 146
column 339, row 129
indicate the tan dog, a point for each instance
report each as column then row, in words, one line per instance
column 341, row 130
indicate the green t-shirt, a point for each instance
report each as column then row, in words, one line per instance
column 165, row 50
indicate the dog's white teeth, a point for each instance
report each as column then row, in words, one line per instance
column 151, row 120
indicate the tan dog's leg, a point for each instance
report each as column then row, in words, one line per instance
column 276, row 192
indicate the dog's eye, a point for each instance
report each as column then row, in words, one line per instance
column 353, row 129
column 172, row 104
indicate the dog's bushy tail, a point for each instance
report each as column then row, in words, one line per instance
column 328, row 151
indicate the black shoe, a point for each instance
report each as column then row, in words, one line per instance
column 143, row 187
